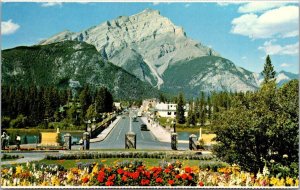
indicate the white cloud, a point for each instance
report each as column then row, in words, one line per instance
column 284, row 65
column 244, row 57
column 276, row 49
column 187, row 5
column 8, row 27
column 155, row 3
column 259, row 6
column 281, row 22
column 51, row 4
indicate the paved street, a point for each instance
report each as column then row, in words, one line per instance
column 145, row 139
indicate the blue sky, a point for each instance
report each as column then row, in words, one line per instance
column 241, row 32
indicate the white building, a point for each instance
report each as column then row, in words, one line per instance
column 169, row 110
column 147, row 104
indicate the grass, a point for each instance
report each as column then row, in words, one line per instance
column 149, row 162
column 207, row 128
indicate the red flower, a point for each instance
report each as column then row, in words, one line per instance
column 188, row 170
column 126, row 173
column 171, row 182
column 170, row 167
column 145, row 182
column 177, row 176
column 135, row 175
column 85, row 179
column 124, row 178
column 101, row 176
column 120, row 171
column 201, row 183
column 167, row 171
column 190, row 177
column 109, row 183
column 112, row 177
column 147, row 174
column 159, row 180
column 184, row 176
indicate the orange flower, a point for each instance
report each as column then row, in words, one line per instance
column 188, row 170
column 85, row 179
column 109, row 183
column 201, row 183
column 171, row 182
column 159, row 180
column 124, row 178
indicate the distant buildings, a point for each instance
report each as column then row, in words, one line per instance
column 169, row 110
column 161, row 109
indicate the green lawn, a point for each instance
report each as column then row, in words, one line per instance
column 111, row 161
column 207, row 128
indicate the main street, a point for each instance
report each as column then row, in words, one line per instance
column 145, row 139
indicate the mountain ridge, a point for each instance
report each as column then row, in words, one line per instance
column 149, row 46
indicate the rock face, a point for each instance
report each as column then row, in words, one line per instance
column 155, row 50
column 144, row 44
column 70, row 64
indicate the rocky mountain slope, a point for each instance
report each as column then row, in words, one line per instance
column 281, row 77
column 70, row 63
column 144, row 44
column 149, row 46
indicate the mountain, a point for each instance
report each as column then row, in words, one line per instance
column 72, row 64
column 281, row 77
column 144, row 44
column 209, row 73
column 151, row 47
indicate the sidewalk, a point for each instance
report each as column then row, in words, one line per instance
column 106, row 131
column 158, row 131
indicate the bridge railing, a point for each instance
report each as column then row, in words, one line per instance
column 102, row 125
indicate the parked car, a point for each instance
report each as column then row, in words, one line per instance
column 144, row 127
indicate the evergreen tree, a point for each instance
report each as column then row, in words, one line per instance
column 180, row 110
column 85, row 100
column 209, row 106
column 191, row 120
column 202, row 109
column 268, row 72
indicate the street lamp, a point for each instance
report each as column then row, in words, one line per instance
column 174, row 126
column 87, row 125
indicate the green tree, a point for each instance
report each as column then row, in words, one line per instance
column 85, row 100
column 202, row 106
column 268, row 72
column 259, row 127
column 191, row 119
column 180, row 109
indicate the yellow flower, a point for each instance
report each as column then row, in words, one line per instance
column 297, row 182
column 289, row 181
column 70, row 176
column 18, row 170
column 103, row 160
column 273, row 181
column 95, row 170
column 45, row 183
column 55, row 180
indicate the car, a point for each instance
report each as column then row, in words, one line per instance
column 144, row 127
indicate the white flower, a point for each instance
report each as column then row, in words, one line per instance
column 259, row 175
column 272, row 161
column 15, row 182
column 265, row 171
column 285, row 156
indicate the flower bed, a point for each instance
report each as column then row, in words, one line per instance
column 113, row 154
column 135, row 173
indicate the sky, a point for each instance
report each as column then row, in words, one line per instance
column 241, row 32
